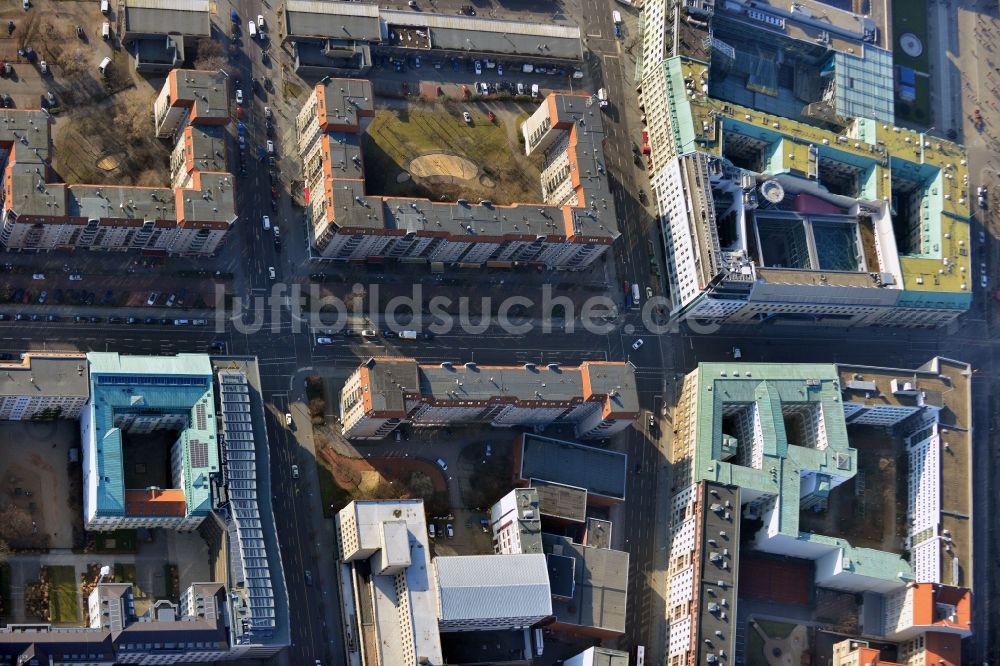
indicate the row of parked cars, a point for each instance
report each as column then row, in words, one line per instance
column 400, row 63
column 74, row 296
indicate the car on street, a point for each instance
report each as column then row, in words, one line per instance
column 467, row 117
column 267, row 223
column 38, row 276
column 288, row 419
column 442, row 464
column 308, row 576
column 499, row 69
column 649, row 292
column 489, row 450
column 295, row 471
column 369, row 333
column 271, row 273
column 75, row 277
column 153, row 295
column 652, row 421
column 983, row 282
column 260, row 21
column 324, row 341
column 450, row 531
column 637, row 344
column 239, row 96
column 492, row 116
column 170, row 300
column 52, row 318
column 478, row 67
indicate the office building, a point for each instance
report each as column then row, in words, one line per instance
column 597, row 398
column 131, row 398
column 784, row 189
column 389, row 599
column 797, row 447
column 190, row 217
column 491, row 592
column 573, row 225
column 43, row 386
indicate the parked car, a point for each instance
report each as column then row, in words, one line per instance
column 153, row 295
column 295, row 471
column 442, row 464
column 450, row 531
column 467, row 117
column 637, row 344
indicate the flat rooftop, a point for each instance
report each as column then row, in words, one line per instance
column 46, row 374
column 391, row 380
column 368, row 22
column 597, row 471
column 485, row 587
column 162, row 17
column 600, row 591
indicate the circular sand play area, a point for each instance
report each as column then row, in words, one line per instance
column 441, row 167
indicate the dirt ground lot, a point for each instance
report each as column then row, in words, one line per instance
column 35, row 479
column 426, row 149
column 102, row 129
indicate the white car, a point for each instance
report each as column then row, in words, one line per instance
column 638, row 343
column 75, row 277
column 983, row 281
column 239, row 96
column 442, row 464
column 479, row 68
column 324, row 341
column 270, row 147
column 38, row 276
column 270, row 272
column 466, row 117
column 153, row 295
column 288, row 419
column 649, row 292
column 260, row 21
column 267, row 223
column 499, row 69
column 295, row 471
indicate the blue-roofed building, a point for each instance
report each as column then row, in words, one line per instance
column 142, row 396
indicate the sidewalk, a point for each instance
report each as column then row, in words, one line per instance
column 656, row 651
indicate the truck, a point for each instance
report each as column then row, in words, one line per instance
column 407, row 335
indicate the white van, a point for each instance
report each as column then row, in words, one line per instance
column 106, row 31
column 105, row 7
column 407, row 335
column 252, row 27
column 103, row 67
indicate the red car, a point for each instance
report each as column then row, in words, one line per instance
column 492, row 116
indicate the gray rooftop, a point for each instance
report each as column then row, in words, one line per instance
column 392, row 378
column 474, row 587
column 47, row 375
column 601, row 585
column 599, row 471
column 707, row 617
column 367, row 22
column 162, row 17
column 559, row 501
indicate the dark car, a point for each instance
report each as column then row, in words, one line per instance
column 17, row 295
column 149, row 320
column 389, row 334
column 108, row 297
column 53, row 318
column 57, row 296
column 79, row 319
column 96, row 320
column 115, row 320
column 36, row 317
column 163, row 322
column 131, row 320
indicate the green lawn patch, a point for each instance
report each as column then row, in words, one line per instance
column 334, row 497
column 124, row 572
column 63, row 608
column 119, row 541
column 498, row 168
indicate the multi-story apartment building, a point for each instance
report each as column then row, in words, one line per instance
column 597, row 398
column 44, row 386
column 574, row 224
column 770, row 443
column 190, row 217
column 784, row 189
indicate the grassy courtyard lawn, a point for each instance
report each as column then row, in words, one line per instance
column 63, row 608
column 476, row 160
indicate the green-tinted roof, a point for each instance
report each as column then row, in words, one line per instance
column 151, row 384
column 760, row 393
